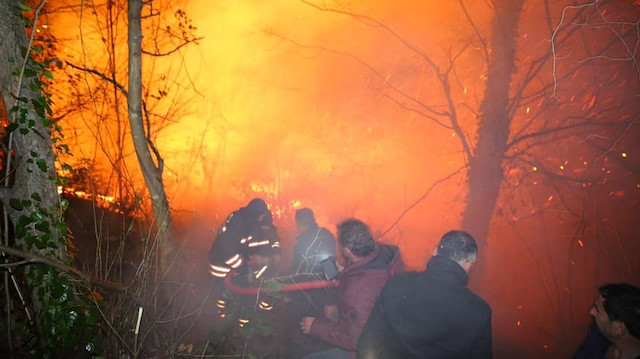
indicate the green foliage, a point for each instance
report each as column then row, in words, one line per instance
column 67, row 318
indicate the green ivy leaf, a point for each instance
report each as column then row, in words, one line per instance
column 64, row 204
column 15, row 204
column 42, row 226
column 42, row 165
column 24, row 221
column 37, row 49
column 24, row 7
column 48, row 74
column 46, row 238
column 26, row 203
column 36, row 196
column 29, row 73
column 31, row 240
column 41, row 244
column 39, row 111
column 12, row 127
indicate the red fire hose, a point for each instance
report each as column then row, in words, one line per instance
column 290, row 287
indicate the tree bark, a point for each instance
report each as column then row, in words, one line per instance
column 485, row 167
column 152, row 173
column 31, row 166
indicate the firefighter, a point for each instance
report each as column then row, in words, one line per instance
column 245, row 245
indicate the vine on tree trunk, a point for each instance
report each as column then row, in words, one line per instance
column 66, row 318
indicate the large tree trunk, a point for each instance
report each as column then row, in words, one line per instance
column 152, row 173
column 28, row 177
column 485, row 167
column 28, row 193
column 33, row 160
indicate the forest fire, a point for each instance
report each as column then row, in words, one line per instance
column 417, row 117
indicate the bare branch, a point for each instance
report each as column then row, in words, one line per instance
column 553, row 41
column 421, row 198
column 150, row 143
column 169, row 52
column 561, row 129
column 26, row 56
column 477, row 31
column 101, row 75
column 375, row 72
column 371, row 21
column 617, row 139
column 37, row 258
column 442, row 77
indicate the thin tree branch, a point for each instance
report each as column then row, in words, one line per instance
column 477, row 31
column 101, row 75
column 27, row 54
column 369, row 21
column 169, row 52
column 31, row 258
column 375, row 72
column 420, row 199
column 560, row 129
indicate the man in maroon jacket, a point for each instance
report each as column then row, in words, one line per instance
column 364, row 268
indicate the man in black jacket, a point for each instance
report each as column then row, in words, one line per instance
column 431, row 314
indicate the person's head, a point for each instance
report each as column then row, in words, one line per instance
column 355, row 240
column 305, row 219
column 259, row 210
column 460, row 247
column 617, row 311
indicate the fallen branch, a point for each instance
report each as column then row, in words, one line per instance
column 32, row 258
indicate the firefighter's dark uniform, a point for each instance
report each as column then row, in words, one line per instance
column 246, row 232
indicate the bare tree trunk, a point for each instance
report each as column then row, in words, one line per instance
column 485, row 167
column 152, row 173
